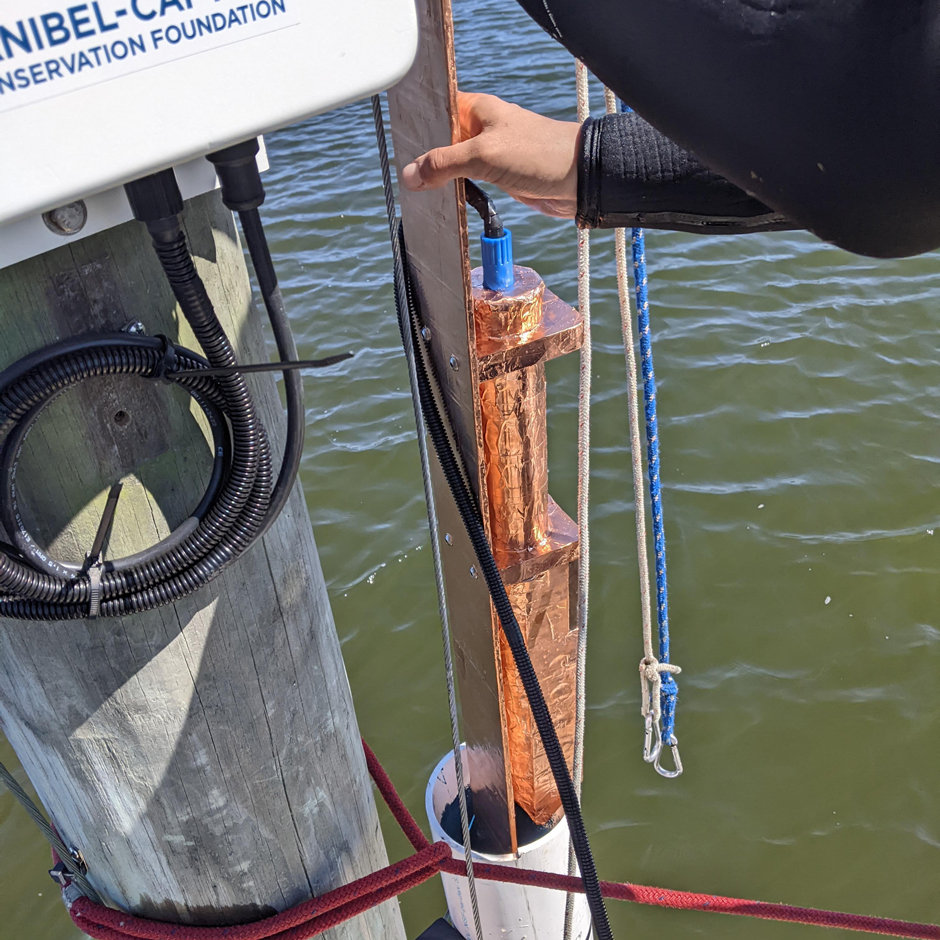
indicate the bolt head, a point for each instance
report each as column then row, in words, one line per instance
column 454, row 363
column 426, row 334
column 69, row 219
column 473, row 571
column 449, row 539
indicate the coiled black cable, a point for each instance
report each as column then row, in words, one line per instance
column 240, row 503
column 36, row 587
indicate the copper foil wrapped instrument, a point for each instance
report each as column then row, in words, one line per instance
column 535, row 544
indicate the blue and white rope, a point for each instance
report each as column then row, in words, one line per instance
column 669, row 689
column 657, row 674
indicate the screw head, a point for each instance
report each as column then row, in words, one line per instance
column 454, row 363
column 68, row 219
column 426, row 334
column 448, row 538
column 134, row 327
column 473, row 571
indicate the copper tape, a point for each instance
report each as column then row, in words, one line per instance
column 543, row 608
column 507, row 319
column 515, row 452
column 515, row 441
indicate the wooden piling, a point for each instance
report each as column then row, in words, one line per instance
column 204, row 756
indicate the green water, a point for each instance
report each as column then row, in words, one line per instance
column 799, row 406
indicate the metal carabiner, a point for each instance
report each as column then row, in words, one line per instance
column 674, row 747
column 651, row 753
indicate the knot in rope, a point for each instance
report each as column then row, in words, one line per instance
column 652, row 685
column 658, row 692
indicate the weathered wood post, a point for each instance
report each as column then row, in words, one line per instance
column 203, row 756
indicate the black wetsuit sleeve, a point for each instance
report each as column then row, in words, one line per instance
column 828, row 111
column 631, row 175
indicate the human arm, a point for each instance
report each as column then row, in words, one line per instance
column 631, row 175
column 615, row 171
column 826, row 110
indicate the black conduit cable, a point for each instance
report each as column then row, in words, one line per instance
column 469, row 510
column 239, row 504
column 36, row 587
column 243, row 192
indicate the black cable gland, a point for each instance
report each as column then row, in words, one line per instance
column 155, row 198
column 239, row 176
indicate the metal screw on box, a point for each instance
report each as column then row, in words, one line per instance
column 69, row 219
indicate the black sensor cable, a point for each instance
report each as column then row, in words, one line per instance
column 469, row 511
column 243, row 192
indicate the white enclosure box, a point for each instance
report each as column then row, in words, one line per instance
column 94, row 93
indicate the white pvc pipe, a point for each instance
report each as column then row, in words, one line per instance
column 507, row 912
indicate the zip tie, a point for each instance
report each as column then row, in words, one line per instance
column 167, row 365
column 93, row 557
column 93, row 566
column 70, row 894
column 94, row 591
column 280, row 366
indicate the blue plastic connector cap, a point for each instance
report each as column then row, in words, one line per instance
column 497, row 262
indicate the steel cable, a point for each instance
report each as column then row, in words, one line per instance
column 402, row 306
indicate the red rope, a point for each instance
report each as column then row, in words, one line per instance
column 321, row 913
column 393, row 801
column 305, row 920
column 689, row 901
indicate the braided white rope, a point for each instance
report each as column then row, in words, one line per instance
column 584, row 479
column 651, row 669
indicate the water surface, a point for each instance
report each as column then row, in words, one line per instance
column 799, row 404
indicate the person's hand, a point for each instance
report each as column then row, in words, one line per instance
column 532, row 158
